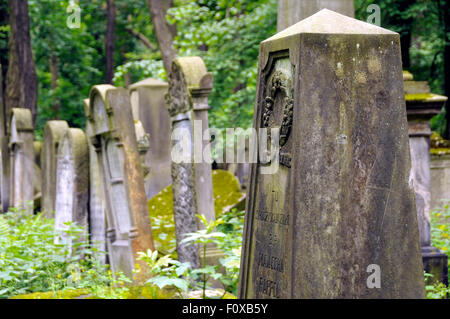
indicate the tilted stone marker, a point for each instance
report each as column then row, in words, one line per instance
column 421, row 106
column 337, row 220
column 21, row 150
column 72, row 181
column 53, row 132
column 189, row 88
column 292, row 11
column 149, row 107
column 128, row 222
column 96, row 206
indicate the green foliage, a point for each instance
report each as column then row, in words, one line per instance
column 166, row 272
column 440, row 238
column 30, row 261
column 440, row 229
column 226, row 34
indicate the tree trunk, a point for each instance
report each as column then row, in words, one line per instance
column 165, row 33
column 21, row 78
column 447, row 65
column 109, row 50
column 54, row 84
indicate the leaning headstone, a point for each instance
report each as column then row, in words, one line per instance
column 149, row 107
column 421, row 106
column 189, row 88
column 21, row 150
column 53, row 132
column 128, row 223
column 292, row 11
column 96, row 204
column 337, row 218
column 72, row 182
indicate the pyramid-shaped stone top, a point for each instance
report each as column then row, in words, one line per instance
column 329, row 22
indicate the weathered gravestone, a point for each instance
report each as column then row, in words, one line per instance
column 21, row 152
column 128, row 223
column 337, row 219
column 421, row 106
column 292, row 11
column 149, row 107
column 53, row 132
column 189, row 88
column 96, row 205
column 72, row 182
column 440, row 170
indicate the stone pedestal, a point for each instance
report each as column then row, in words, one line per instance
column 435, row 262
column 338, row 218
column 421, row 106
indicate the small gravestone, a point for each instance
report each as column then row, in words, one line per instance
column 336, row 219
column 72, row 182
column 53, row 132
column 21, row 150
column 128, row 224
column 149, row 107
column 292, row 11
column 96, row 205
column 189, row 88
column 37, row 145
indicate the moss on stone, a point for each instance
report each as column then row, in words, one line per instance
column 418, row 96
column 226, row 194
column 63, row 294
column 134, row 292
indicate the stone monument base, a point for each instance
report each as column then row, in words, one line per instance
column 435, row 262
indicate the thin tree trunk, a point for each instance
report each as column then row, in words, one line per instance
column 165, row 33
column 54, row 83
column 447, row 64
column 21, row 78
column 109, row 50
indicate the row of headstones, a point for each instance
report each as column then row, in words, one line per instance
column 101, row 178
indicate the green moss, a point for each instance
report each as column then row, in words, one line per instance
column 134, row 292
column 439, row 151
column 63, row 294
column 226, row 194
column 418, row 97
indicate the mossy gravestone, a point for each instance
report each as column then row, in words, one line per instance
column 337, row 220
column 226, row 194
column 53, row 132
